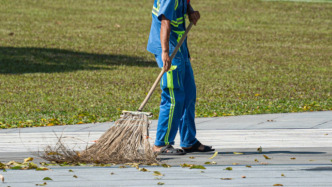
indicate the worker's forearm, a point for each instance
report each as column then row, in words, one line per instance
column 165, row 31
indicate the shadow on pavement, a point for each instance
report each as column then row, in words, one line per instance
column 319, row 169
column 46, row 60
column 276, row 152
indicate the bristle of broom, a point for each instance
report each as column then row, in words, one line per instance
column 126, row 141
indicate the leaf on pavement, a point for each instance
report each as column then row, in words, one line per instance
column 236, row 153
column 47, row 179
column 166, row 165
column 260, row 149
column 293, row 158
column 235, row 163
column 192, row 157
column 16, row 167
column 197, row 167
column 157, row 173
column 70, row 170
column 75, row 176
column 266, row 157
column 142, row 169
column 248, row 166
column 282, row 175
column 44, row 184
column 214, row 155
column 278, row 185
column 28, row 159
column 226, row 178
column 256, row 160
column 184, row 165
column 244, row 177
column 160, row 183
column 229, row 168
column 41, row 169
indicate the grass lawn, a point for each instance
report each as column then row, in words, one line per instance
column 69, row 62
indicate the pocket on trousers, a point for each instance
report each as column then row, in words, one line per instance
column 171, row 79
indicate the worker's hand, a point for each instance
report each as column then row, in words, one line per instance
column 166, row 61
column 194, row 17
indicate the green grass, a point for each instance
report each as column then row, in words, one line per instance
column 68, row 62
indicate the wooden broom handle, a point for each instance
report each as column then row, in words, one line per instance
column 163, row 71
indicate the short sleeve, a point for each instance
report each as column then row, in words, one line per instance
column 166, row 9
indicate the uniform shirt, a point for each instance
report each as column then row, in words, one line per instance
column 175, row 11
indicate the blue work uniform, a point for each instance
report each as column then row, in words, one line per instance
column 177, row 108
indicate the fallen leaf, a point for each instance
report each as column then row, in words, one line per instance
column 2, row 178
column 278, row 185
column 158, row 178
column 44, row 184
column 235, row 163
column 248, row 166
column 32, row 165
column 266, row 157
column 214, row 155
column 191, row 157
column 236, row 153
column 184, row 165
column 142, row 169
column 28, row 159
column 157, row 173
column 47, row 179
column 326, row 134
column 202, row 171
column 293, row 158
column 155, row 164
column 122, row 167
column 260, row 149
column 74, row 176
column 16, row 167
column 264, row 163
column 70, row 170
column 282, row 175
column 197, row 167
column 210, row 163
column 244, row 177
column 226, row 178
column 256, row 160
column 112, row 173
column 166, row 165
column 41, row 169
column 160, row 183
column 229, row 168
column 11, row 34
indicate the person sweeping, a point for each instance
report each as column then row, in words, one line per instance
column 177, row 108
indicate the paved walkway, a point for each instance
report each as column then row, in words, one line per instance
column 299, row 145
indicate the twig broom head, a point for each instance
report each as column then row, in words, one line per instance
column 126, row 141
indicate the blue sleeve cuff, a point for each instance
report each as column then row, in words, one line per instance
column 166, row 9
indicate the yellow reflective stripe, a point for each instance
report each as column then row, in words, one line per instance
column 155, row 13
column 177, row 22
column 170, row 85
column 156, row 9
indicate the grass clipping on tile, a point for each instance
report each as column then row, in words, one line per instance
column 126, row 141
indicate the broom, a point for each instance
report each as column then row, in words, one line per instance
column 126, row 141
